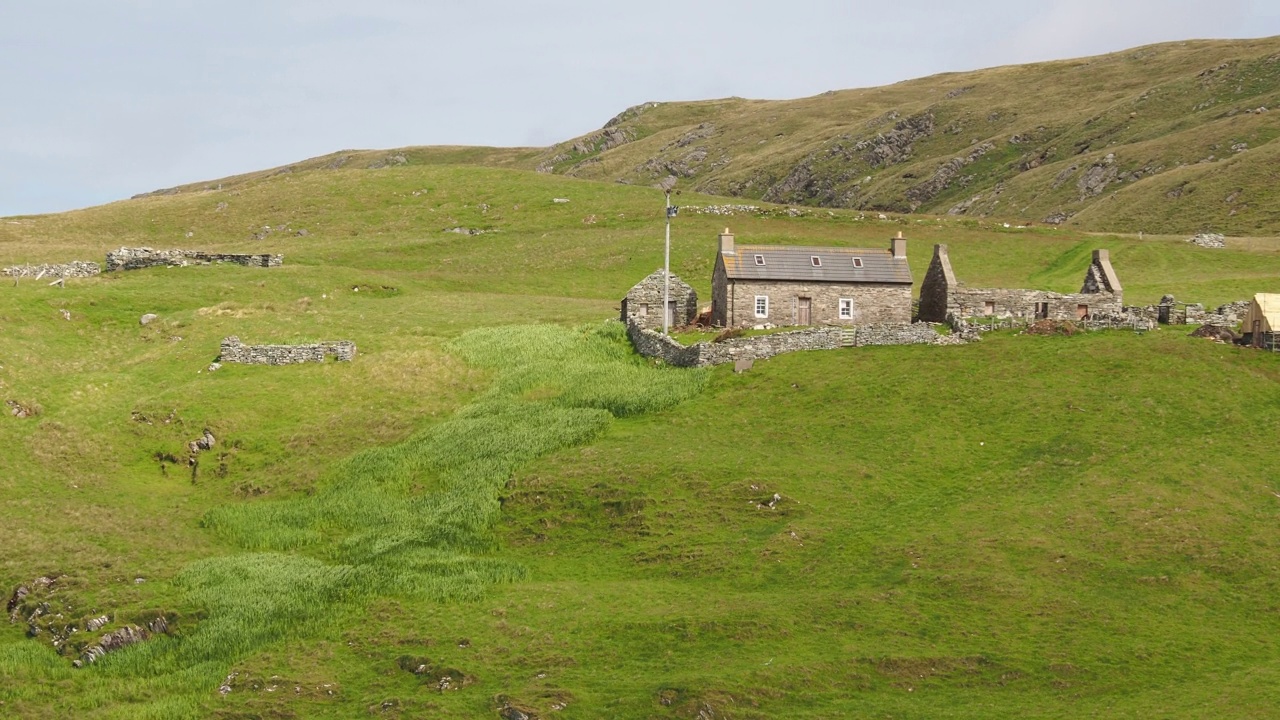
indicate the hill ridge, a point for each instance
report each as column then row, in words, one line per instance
column 1181, row 133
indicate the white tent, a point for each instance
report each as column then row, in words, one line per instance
column 1263, row 315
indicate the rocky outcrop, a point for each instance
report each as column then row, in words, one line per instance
column 1099, row 175
column 896, row 145
column 818, row 176
column 944, row 176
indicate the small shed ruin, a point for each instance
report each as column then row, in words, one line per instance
column 643, row 302
column 942, row 295
column 1261, row 324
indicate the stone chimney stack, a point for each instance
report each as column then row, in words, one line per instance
column 726, row 242
column 899, row 246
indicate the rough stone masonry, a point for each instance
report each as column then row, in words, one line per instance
column 943, row 296
column 232, row 350
column 144, row 257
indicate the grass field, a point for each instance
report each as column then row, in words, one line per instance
column 498, row 495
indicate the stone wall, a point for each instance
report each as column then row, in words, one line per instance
column 233, row 350
column 758, row 347
column 643, row 303
column 873, row 303
column 73, row 269
column 943, row 296
column 1018, row 303
column 143, row 257
column 1170, row 311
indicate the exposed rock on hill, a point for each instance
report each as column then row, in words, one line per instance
column 1049, row 142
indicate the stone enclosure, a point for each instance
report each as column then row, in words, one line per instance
column 232, row 350
column 942, row 295
column 654, row 344
column 143, row 257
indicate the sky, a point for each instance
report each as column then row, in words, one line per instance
column 103, row 100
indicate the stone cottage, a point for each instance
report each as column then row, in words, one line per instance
column 941, row 294
column 798, row 285
column 643, row 303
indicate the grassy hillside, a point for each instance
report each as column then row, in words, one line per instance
column 498, row 505
column 1173, row 138
column 1165, row 138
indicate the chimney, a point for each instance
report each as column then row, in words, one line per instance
column 899, row 246
column 726, row 242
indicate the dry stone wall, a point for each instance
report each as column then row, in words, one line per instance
column 1171, row 312
column 73, row 269
column 233, row 350
column 758, row 347
column 144, row 257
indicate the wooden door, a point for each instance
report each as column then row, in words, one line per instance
column 671, row 313
column 802, row 314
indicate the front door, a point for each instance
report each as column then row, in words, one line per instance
column 671, row 313
column 803, row 311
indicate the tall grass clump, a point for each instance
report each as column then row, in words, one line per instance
column 415, row 518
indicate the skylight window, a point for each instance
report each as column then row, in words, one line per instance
column 759, row 259
column 817, row 261
column 857, row 262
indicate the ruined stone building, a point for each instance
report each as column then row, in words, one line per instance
column 643, row 303
column 797, row 285
column 941, row 294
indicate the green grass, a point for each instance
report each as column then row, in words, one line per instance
column 1024, row 526
column 690, row 337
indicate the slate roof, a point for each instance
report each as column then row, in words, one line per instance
column 795, row 262
column 655, row 277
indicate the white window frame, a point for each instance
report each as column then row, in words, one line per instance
column 815, row 260
column 759, row 298
column 760, row 260
column 845, row 308
column 857, row 262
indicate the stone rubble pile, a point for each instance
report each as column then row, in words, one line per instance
column 1209, row 240
column 73, row 269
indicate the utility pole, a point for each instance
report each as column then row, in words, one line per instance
column 666, row 185
column 666, row 271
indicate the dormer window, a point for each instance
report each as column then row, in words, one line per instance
column 857, row 262
column 759, row 259
column 817, row 261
